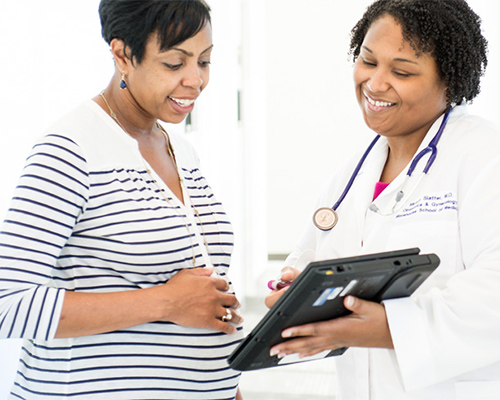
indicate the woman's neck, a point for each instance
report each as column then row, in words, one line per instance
column 132, row 119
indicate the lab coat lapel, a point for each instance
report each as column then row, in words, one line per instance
column 386, row 201
column 368, row 175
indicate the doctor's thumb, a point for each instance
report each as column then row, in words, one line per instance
column 358, row 306
column 352, row 303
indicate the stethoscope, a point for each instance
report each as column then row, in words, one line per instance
column 325, row 218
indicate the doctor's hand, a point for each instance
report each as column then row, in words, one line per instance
column 288, row 274
column 366, row 326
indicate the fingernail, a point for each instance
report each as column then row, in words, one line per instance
column 287, row 334
column 283, row 273
column 349, row 301
column 274, row 352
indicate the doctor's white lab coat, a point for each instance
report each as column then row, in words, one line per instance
column 447, row 335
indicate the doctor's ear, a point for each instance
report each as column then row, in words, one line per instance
column 449, row 103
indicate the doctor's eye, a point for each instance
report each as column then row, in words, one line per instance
column 401, row 74
column 369, row 63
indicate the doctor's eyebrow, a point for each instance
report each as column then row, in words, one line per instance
column 405, row 60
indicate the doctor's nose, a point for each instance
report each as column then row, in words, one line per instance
column 377, row 82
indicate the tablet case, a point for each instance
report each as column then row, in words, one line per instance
column 318, row 294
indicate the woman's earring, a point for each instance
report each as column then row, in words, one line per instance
column 123, row 84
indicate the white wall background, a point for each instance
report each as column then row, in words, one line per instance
column 299, row 118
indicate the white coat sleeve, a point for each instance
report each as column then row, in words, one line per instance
column 448, row 332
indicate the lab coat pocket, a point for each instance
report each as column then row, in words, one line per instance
column 477, row 390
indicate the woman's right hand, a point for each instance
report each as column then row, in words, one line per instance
column 288, row 274
column 193, row 298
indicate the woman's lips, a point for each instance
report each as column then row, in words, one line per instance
column 182, row 105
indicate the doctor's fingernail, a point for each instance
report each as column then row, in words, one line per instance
column 274, row 352
column 287, row 334
column 349, row 301
column 284, row 271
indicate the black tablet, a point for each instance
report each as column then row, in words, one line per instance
column 318, row 294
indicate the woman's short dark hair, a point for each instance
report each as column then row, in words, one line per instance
column 133, row 21
column 447, row 29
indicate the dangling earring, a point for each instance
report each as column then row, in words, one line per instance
column 123, row 84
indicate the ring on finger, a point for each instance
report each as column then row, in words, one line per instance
column 228, row 316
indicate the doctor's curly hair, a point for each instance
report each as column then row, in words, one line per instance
column 447, row 29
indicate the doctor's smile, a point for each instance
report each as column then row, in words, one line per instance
column 378, row 105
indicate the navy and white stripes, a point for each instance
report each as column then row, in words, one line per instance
column 86, row 216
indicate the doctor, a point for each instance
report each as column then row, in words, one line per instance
column 416, row 63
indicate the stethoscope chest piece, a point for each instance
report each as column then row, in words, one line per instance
column 325, row 218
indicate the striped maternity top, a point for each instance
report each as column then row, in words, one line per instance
column 87, row 216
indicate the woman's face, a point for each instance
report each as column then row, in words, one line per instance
column 166, row 84
column 400, row 93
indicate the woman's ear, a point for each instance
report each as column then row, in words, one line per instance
column 122, row 61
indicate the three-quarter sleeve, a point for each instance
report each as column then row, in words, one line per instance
column 48, row 200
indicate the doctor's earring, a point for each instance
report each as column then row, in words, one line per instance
column 123, row 84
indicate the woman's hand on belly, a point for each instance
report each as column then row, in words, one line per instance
column 193, row 298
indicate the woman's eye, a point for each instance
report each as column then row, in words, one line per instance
column 173, row 67
column 204, row 63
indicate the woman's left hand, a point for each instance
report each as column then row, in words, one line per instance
column 366, row 326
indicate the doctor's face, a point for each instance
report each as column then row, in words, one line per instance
column 400, row 93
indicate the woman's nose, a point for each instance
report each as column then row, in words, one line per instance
column 194, row 77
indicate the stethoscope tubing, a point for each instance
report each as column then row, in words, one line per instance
column 355, row 173
column 432, row 147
